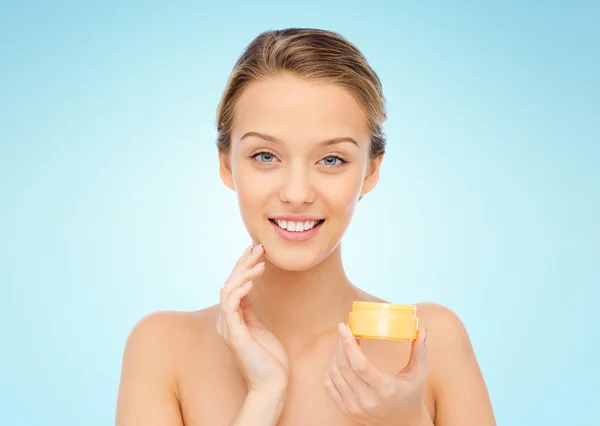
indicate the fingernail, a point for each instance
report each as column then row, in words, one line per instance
column 259, row 265
column 256, row 247
column 426, row 336
column 342, row 329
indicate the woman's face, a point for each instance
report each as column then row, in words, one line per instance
column 299, row 161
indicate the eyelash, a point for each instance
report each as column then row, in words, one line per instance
column 337, row 157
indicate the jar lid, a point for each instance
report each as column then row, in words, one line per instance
column 380, row 305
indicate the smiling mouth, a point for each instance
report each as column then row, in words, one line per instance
column 291, row 226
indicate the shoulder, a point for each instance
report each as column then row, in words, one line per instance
column 160, row 340
column 443, row 324
column 170, row 326
column 459, row 389
column 158, row 352
column 452, row 362
column 448, row 339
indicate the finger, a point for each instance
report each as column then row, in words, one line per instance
column 235, row 281
column 244, row 255
column 417, row 362
column 356, row 383
column 245, row 273
column 233, row 319
column 349, row 398
column 239, row 279
column 232, row 304
column 219, row 326
column 333, row 393
column 248, row 261
column 251, row 258
column 358, row 360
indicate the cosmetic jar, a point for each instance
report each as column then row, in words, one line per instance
column 373, row 320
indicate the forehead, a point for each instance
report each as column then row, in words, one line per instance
column 296, row 109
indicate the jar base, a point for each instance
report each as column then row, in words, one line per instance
column 361, row 336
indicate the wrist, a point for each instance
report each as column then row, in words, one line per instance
column 266, row 396
column 265, row 404
column 270, row 391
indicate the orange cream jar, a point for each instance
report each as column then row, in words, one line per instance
column 372, row 320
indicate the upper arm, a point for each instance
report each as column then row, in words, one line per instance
column 461, row 395
column 147, row 391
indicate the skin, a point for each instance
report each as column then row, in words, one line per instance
column 276, row 350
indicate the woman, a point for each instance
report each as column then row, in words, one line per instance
column 300, row 141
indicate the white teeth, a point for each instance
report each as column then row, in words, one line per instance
column 296, row 226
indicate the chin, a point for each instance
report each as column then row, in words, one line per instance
column 291, row 260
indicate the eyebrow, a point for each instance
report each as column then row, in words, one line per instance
column 273, row 139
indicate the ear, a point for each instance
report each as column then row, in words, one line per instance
column 225, row 170
column 372, row 176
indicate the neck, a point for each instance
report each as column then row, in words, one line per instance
column 298, row 307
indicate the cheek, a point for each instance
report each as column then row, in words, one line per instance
column 253, row 188
column 342, row 192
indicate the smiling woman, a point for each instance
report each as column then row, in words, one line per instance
column 300, row 141
column 297, row 147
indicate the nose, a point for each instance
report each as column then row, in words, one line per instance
column 296, row 188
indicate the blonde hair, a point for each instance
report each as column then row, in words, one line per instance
column 311, row 54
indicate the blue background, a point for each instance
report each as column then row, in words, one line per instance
column 112, row 207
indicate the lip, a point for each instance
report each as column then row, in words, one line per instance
column 297, row 218
column 297, row 237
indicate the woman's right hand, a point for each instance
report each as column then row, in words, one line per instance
column 260, row 355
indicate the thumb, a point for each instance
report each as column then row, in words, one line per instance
column 417, row 363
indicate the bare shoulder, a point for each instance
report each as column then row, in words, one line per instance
column 444, row 325
column 460, row 392
column 171, row 326
column 164, row 334
column 156, row 352
column 448, row 340
column 160, row 342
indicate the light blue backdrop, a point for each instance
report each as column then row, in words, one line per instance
column 111, row 205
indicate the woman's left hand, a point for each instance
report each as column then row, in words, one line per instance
column 375, row 398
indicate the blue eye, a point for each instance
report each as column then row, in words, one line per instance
column 332, row 161
column 265, row 157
